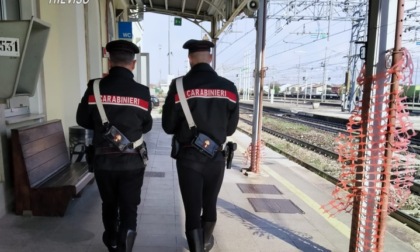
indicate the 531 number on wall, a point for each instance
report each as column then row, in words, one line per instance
column 9, row 47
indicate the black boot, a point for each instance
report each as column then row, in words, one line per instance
column 131, row 236
column 208, row 228
column 110, row 241
column 195, row 240
column 110, row 234
column 126, row 240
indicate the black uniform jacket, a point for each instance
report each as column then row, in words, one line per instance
column 127, row 107
column 214, row 105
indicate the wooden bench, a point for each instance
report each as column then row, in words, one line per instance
column 45, row 180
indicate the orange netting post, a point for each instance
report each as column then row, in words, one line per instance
column 377, row 168
column 258, row 152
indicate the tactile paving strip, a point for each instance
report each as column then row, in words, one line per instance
column 259, row 188
column 154, row 174
column 274, row 206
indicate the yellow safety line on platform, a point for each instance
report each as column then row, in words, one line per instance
column 341, row 227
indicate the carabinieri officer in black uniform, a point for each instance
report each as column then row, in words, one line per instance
column 119, row 174
column 213, row 102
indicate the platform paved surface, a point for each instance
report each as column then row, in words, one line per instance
column 300, row 226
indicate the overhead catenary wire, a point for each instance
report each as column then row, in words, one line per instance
column 231, row 52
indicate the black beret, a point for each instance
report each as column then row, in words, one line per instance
column 198, row 45
column 122, row 46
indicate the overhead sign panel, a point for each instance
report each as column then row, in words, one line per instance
column 125, row 30
column 178, row 21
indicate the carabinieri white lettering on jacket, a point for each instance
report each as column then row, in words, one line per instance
column 120, row 101
column 206, row 92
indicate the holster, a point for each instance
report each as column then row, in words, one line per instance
column 175, row 148
column 90, row 156
column 143, row 153
column 229, row 153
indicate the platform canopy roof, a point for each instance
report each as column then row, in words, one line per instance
column 220, row 13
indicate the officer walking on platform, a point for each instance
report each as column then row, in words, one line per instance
column 120, row 154
column 213, row 104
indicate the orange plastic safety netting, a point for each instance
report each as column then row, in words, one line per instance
column 363, row 151
column 259, row 154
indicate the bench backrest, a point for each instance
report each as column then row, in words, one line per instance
column 40, row 151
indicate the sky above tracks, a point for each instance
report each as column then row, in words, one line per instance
column 293, row 50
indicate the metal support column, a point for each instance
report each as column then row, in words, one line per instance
column 169, row 45
column 365, row 220
column 213, row 29
column 397, row 55
column 258, row 87
column 324, row 77
column 358, row 35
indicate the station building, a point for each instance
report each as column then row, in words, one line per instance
column 73, row 35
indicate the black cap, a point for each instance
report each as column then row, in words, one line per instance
column 122, row 46
column 198, row 45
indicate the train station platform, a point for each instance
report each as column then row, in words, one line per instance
column 277, row 210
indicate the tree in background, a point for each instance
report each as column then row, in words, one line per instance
column 276, row 89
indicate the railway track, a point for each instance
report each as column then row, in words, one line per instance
column 329, row 126
column 398, row 215
column 299, row 142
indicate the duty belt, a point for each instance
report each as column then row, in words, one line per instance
column 221, row 148
column 113, row 150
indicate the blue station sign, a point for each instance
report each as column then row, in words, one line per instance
column 125, row 30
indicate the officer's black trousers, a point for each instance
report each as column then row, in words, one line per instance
column 120, row 194
column 200, row 185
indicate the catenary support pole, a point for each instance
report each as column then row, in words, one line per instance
column 397, row 55
column 365, row 220
column 258, row 87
